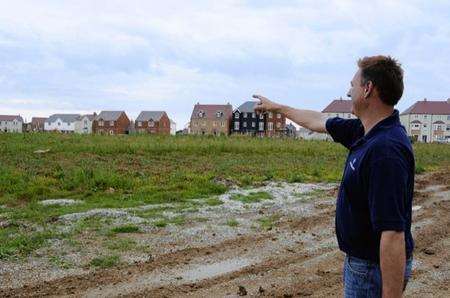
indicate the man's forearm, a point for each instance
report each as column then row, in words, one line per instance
column 312, row 120
column 392, row 262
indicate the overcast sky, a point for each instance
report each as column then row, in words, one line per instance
column 85, row 56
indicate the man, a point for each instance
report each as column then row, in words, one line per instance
column 373, row 210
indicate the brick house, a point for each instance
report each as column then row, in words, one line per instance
column 111, row 122
column 153, row 122
column 37, row 124
column 428, row 121
column 211, row 119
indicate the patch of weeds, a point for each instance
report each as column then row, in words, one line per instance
column 105, row 261
column 232, row 222
column 161, row 223
column 419, row 169
column 201, row 219
column 121, row 244
column 177, row 220
column 267, row 223
column 61, row 262
column 213, row 202
column 125, row 229
column 318, row 193
column 254, row 197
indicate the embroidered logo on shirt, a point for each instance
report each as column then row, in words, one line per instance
column 352, row 163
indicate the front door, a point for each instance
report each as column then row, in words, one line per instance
column 424, row 139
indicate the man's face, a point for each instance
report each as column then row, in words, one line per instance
column 356, row 93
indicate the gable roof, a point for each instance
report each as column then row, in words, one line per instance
column 67, row 118
column 91, row 117
column 436, row 107
column 247, row 107
column 147, row 115
column 10, row 118
column 339, row 106
column 109, row 115
column 38, row 120
column 210, row 111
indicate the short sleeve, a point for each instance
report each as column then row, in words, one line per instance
column 388, row 180
column 344, row 131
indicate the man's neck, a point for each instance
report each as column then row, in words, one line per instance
column 371, row 117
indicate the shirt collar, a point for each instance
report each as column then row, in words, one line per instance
column 392, row 120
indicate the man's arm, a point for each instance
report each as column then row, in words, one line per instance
column 312, row 120
column 392, row 263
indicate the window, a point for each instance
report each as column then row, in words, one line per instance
column 111, row 123
column 261, row 126
column 278, row 125
column 139, row 123
column 253, row 115
column 59, row 123
column 219, row 114
column 270, row 115
column 214, row 123
column 236, row 115
column 236, row 125
column 448, row 127
column 100, row 123
column 245, row 115
column 261, row 116
column 425, row 116
column 201, row 114
column 253, row 124
column 222, row 124
column 85, row 122
column 278, row 116
column 270, row 126
column 244, row 124
column 424, row 126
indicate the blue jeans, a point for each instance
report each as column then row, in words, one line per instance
column 362, row 278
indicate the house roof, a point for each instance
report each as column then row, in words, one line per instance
column 339, row 106
column 38, row 120
column 91, row 117
column 247, row 107
column 210, row 111
column 67, row 118
column 436, row 107
column 147, row 115
column 109, row 115
column 10, row 118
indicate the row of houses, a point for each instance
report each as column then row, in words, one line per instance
column 107, row 122
column 424, row 121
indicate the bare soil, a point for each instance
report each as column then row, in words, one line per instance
column 296, row 257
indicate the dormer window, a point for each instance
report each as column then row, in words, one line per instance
column 236, row 115
column 151, row 123
column 201, row 114
column 219, row 114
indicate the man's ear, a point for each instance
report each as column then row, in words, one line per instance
column 368, row 89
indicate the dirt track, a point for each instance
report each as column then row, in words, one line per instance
column 298, row 257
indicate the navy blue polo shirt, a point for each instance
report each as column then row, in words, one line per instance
column 377, row 186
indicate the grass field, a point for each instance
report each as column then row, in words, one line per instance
column 130, row 171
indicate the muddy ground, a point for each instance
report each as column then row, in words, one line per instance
column 294, row 255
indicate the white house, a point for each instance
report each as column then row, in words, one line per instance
column 173, row 127
column 428, row 121
column 83, row 125
column 337, row 108
column 64, row 123
column 11, row 123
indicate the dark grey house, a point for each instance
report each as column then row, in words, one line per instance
column 245, row 120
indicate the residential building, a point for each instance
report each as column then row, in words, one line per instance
column 246, row 120
column 173, row 127
column 337, row 108
column 111, row 122
column 209, row 119
column 64, row 123
column 153, row 122
column 83, row 125
column 11, row 123
column 428, row 120
column 37, row 124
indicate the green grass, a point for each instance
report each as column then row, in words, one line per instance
column 232, row 223
column 120, row 244
column 267, row 223
column 252, row 197
column 130, row 171
column 105, row 261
